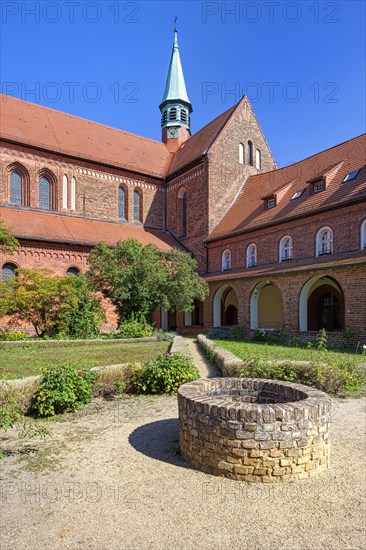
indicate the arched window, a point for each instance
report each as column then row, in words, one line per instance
column 241, row 153
column 73, row 271
column 16, row 191
column 251, row 255
column 285, row 249
column 363, row 235
column 73, row 194
column 173, row 114
column 226, row 260
column 250, row 153
column 64, row 192
column 121, row 203
column 45, row 193
column 258, row 161
column 136, row 206
column 8, row 270
column 324, row 241
column 182, row 212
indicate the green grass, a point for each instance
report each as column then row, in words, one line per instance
column 267, row 351
column 28, row 361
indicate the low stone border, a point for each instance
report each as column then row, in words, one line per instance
column 60, row 343
column 254, row 430
column 180, row 345
column 227, row 362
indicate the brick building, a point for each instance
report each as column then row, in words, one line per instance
column 279, row 247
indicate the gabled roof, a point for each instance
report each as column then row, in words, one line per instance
column 45, row 128
column 249, row 211
column 52, row 227
column 200, row 142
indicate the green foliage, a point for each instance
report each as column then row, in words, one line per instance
column 37, row 297
column 164, row 375
column 164, row 336
column 321, row 340
column 12, row 335
column 8, row 244
column 238, row 332
column 138, row 279
column 63, row 388
column 84, row 320
column 134, row 328
column 10, row 408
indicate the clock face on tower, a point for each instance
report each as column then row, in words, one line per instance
column 172, row 132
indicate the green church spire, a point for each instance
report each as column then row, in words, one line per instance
column 175, row 106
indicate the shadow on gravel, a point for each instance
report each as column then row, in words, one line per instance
column 159, row 440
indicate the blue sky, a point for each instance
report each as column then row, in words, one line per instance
column 302, row 64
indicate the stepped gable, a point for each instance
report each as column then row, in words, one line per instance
column 332, row 165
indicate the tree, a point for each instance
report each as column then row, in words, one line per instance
column 39, row 298
column 138, row 279
column 8, row 244
column 84, row 321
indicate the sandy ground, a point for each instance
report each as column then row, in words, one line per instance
column 111, row 477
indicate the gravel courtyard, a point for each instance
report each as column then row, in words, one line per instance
column 111, row 478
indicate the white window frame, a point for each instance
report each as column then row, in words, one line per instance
column 324, row 245
column 363, row 235
column 226, row 260
column 285, row 249
column 258, row 159
column 250, row 254
column 241, row 153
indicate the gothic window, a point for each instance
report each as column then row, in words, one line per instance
column 241, row 153
column 173, row 114
column 285, row 249
column 324, row 241
column 73, row 271
column 250, row 153
column 363, row 235
column 121, row 203
column 136, row 206
column 251, row 255
column 16, row 191
column 226, row 260
column 45, row 193
column 73, row 194
column 64, row 192
column 8, row 270
column 182, row 212
column 258, row 161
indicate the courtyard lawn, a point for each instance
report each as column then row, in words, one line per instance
column 28, row 361
column 268, row 351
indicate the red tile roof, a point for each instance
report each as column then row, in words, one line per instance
column 45, row 128
column 248, row 212
column 200, row 142
column 52, row 227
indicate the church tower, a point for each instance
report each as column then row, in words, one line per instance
column 175, row 106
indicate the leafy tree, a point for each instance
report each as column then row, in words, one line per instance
column 83, row 321
column 138, row 279
column 8, row 244
column 39, row 298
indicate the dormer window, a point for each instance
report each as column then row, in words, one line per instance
column 271, row 203
column 351, row 175
column 318, row 186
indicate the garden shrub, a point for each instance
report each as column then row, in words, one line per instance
column 12, row 335
column 164, row 375
column 64, row 388
column 134, row 328
column 10, row 408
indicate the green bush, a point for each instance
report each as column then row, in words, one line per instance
column 164, row 375
column 331, row 378
column 10, row 408
column 64, row 387
column 12, row 335
column 134, row 328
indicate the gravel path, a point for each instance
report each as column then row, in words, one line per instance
column 112, row 478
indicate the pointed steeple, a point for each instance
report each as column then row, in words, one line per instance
column 175, row 106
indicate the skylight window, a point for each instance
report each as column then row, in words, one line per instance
column 351, row 175
column 298, row 194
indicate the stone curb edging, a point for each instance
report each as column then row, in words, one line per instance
column 227, row 362
column 60, row 343
column 180, row 345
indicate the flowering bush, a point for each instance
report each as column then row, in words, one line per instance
column 64, row 387
column 164, row 374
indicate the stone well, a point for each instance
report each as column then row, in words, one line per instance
column 253, row 429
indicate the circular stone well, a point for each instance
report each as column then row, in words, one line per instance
column 253, row 429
